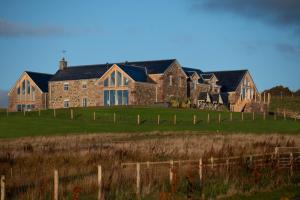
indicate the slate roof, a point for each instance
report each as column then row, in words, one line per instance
column 206, row 76
column 81, row 72
column 153, row 66
column 228, row 80
column 136, row 73
column 40, row 79
column 96, row 71
column 189, row 69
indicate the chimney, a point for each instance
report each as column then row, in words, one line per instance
column 62, row 64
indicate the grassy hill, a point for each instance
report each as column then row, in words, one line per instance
column 289, row 103
column 17, row 125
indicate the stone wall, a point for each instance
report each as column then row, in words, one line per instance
column 74, row 94
column 179, row 83
column 144, row 94
column 37, row 99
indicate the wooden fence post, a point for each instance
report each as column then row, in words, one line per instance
column 219, row 118
column 72, row 116
column 138, row 119
column 194, row 119
column 158, row 119
column 227, row 167
column 2, row 187
column 291, row 164
column 212, row 162
column 208, row 120
column 54, row 113
column 115, row 118
column 231, row 116
column 24, row 112
column 55, row 185
column 264, row 115
column 94, row 116
column 99, row 182
column 174, row 120
column 242, row 116
column 253, row 116
column 284, row 114
column 275, row 116
column 39, row 112
column 171, row 171
column 200, row 171
column 264, row 97
column 138, row 180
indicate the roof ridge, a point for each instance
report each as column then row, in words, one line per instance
column 38, row 72
column 89, row 65
column 238, row 70
column 152, row 60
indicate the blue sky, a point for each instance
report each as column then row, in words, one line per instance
column 262, row 36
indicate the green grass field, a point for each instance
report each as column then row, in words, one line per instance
column 17, row 125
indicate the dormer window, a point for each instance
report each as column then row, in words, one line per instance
column 18, row 90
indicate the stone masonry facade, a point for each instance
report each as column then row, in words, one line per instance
column 133, row 83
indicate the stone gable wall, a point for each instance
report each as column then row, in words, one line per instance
column 75, row 94
column 14, row 99
column 176, row 89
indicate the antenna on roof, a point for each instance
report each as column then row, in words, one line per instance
column 64, row 53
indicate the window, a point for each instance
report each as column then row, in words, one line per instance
column 18, row 90
column 119, row 78
column 28, row 87
column 23, row 87
column 19, row 107
column 84, row 85
column 125, row 81
column 66, row 86
column 84, row 102
column 170, row 80
column 106, row 98
column 33, row 93
column 115, row 97
column 112, row 97
column 112, row 79
column 106, row 82
column 125, row 97
column 66, row 104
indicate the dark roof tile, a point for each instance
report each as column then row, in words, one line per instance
column 40, row 79
column 228, row 80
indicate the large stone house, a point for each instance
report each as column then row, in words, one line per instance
column 131, row 83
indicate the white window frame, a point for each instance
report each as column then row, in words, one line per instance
column 84, row 102
column 67, row 100
column 66, row 84
column 84, row 85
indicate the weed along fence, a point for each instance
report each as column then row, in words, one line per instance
column 206, row 177
column 167, row 116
